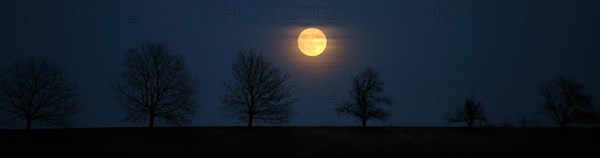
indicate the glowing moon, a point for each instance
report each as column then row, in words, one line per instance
column 312, row 41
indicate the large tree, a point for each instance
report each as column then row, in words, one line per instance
column 155, row 86
column 259, row 91
column 471, row 111
column 366, row 93
column 37, row 89
column 565, row 102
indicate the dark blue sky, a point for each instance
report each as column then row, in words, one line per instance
column 431, row 54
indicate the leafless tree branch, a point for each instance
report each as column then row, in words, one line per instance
column 155, row 86
column 37, row 89
column 365, row 94
column 259, row 90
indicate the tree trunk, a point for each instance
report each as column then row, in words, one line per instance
column 469, row 124
column 364, row 123
column 250, row 120
column 151, row 122
column 28, row 124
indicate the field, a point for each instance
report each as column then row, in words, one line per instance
column 301, row 142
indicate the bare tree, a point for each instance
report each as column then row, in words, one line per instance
column 506, row 123
column 565, row 102
column 470, row 112
column 37, row 89
column 259, row 91
column 366, row 93
column 155, row 86
column 523, row 121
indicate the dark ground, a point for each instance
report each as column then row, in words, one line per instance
column 301, row 142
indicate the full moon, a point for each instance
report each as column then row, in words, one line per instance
column 312, row 42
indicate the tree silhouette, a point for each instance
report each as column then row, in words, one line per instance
column 366, row 93
column 471, row 111
column 156, row 86
column 565, row 102
column 523, row 121
column 37, row 89
column 259, row 90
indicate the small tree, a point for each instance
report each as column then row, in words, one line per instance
column 36, row 89
column 470, row 112
column 156, row 86
column 259, row 90
column 366, row 93
column 523, row 121
column 565, row 102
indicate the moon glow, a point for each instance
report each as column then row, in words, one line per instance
column 312, row 42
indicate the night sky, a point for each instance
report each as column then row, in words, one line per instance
column 431, row 54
